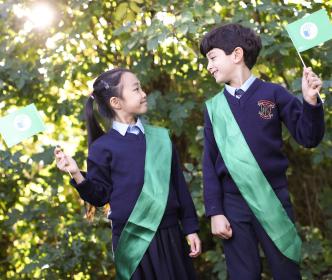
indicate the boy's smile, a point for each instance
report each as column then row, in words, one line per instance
column 220, row 65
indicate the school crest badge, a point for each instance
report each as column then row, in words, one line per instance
column 266, row 109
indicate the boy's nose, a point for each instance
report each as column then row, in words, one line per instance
column 208, row 67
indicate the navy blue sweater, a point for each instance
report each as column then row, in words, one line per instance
column 260, row 113
column 116, row 175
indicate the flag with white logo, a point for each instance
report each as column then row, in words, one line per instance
column 20, row 125
column 310, row 31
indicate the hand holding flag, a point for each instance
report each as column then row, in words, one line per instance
column 311, row 85
column 64, row 162
column 307, row 33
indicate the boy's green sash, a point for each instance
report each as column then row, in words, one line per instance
column 250, row 179
column 150, row 206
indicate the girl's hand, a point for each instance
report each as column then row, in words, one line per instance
column 195, row 245
column 311, row 85
column 64, row 162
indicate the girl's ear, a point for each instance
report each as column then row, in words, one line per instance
column 115, row 103
column 238, row 54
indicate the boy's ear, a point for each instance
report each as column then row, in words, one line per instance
column 115, row 103
column 238, row 54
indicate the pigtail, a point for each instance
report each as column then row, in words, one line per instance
column 93, row 127
column 90, row 211
column 94, row 131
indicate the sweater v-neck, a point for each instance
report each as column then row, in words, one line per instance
column 241, row 102
column 127, row 136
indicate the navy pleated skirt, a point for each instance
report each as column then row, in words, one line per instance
column 167, row 257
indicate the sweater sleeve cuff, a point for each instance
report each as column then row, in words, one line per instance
column 313, row 112
column 190, row 225
column 213, row 207
column 81, row 186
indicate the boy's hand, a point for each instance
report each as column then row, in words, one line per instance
column 195, row 245
column 221, row 227
column 311, row 85
column 64, row 162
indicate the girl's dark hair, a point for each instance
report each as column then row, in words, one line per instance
column 230, row 36
column 107, row 85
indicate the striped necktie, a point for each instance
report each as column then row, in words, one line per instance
column 238, row 93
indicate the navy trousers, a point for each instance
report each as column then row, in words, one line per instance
column 241, row 251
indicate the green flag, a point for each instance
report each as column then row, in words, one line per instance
column 21, row 124
column 310, row 30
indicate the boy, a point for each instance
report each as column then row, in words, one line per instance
column 244, row 170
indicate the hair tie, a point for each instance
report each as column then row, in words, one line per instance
column 106, row 85
column 92, row 96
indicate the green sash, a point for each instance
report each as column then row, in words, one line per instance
column 250, row 179
column 150, row 206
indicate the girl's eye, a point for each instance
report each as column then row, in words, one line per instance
column 212, row 58
column 136, row 89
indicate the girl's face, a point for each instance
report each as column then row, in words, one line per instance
column 133, row 100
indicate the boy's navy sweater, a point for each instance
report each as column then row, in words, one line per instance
column 116, row 175
column 260, row 113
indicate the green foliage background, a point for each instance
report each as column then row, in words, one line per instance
column 43, row 231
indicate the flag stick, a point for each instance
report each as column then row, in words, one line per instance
column 71, row 176
column 303, row 63
column 301, row 58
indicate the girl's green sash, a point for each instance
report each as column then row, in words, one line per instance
column 250, row 179
column 150, row 206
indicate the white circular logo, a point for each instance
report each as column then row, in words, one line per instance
column 309, row 30
column 22, row 122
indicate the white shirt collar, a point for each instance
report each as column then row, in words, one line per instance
column 244, row 86
column 123, row 128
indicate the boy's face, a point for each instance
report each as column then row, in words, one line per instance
column 220, row 65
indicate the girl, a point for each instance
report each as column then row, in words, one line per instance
column 135, row 169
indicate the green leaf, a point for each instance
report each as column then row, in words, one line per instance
column 121, row 11
column 133, row 6
column 183, row 29
column 46, row 156
column 152, row 43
